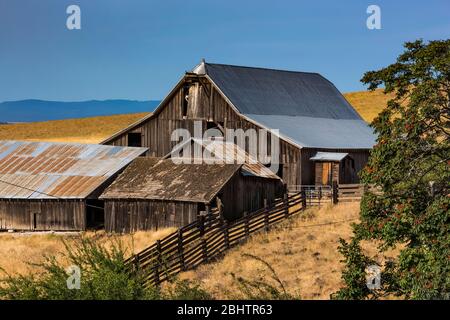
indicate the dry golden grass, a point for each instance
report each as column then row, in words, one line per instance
column 18, row 250
column 303, row 252
column 368, row 103
column 84, row 130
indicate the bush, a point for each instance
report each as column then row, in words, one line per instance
column 104, row 275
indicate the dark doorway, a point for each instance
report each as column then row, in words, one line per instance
column 134, row 139
column 95, row 214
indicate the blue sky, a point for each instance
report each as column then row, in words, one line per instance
column 139, row 49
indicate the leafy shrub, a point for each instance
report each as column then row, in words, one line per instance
column 104, row 276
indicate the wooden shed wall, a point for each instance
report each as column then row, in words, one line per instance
column 126, row 215
column 40, row 215
column 247, row 194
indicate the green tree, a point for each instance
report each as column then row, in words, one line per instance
column 410, row 164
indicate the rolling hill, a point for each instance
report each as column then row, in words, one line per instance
column 95, row 129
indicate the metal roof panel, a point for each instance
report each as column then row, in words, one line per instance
column 41, row 170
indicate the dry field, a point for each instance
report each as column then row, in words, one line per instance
column 18, row 250
column 302, row 251
column 368, row 103
column 96, row 129
column 84, row 130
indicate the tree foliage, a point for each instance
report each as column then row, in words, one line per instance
column 410, row 164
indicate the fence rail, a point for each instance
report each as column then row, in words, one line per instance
column 317, row 195
column 207, row 238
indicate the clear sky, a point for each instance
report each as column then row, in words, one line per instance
column 139, row 49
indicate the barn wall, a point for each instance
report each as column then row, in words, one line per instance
column 40, row 215
column 126, row 215
column 247, row 194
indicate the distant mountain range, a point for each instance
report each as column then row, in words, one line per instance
column 41, row 110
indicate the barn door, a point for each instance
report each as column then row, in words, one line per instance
column 326, row 173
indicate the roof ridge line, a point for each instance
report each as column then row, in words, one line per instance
column 262, row 68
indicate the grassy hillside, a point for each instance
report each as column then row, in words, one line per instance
column 84, row 130
column 368, row 103
column 302, row 251
column 94, row 130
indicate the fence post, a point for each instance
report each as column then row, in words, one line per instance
column 303, row 195
column 181, row 249
column 225, row 234
column 335, row 192
column 158, row 261
column 204, row 250
column 201, row 225
column 266, row 215
column 286, row 205
column 246, row 226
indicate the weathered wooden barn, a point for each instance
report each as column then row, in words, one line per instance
column 155, row 193
column 55, row 186
column 309, row 112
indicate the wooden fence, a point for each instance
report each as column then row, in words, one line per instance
column 207, row 238
column 317, row 195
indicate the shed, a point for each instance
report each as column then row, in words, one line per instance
column 55, row 186
column 333, row 167
column 154, row 193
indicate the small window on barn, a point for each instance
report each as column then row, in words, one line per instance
column 134, row 139
column 211, row 125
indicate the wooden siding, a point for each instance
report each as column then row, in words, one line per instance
column 39, row 215
column 247, row 194
column 125, row 216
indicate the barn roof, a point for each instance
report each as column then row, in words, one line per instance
column 306, row 108
column 328, row 156
column 221, row 151
column 156, row 179
column 41, row 170
column 278, row 92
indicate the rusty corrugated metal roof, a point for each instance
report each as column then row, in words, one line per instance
column 42, row 170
